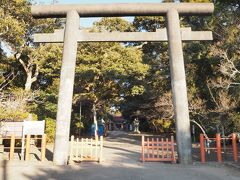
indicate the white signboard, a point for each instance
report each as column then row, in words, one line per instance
column 33, row 127
column 10, row 128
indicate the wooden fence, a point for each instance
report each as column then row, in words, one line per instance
column 27, row 147
column 218, row 147
column 85, row 149
column 158, row 149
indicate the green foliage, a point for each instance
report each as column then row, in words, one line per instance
column 12, row 115
column 113, row 24
column 162, row 125
column 15, row 105
column 50, row 129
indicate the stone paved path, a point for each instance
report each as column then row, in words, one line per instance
column 121, row 162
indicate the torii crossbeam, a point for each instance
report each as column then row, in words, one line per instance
column 158, row 36
column 71, row 35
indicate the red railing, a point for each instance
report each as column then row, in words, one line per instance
column 218, row 147
column 156, row 149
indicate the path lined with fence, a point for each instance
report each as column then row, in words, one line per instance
column 121, row 153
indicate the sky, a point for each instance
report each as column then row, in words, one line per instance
column 95, row 1
column 87, row 22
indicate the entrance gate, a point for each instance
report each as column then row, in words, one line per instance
column 158, row 149
column 71, row 35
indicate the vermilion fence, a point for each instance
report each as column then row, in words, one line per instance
column 218, row 147
column 158, row 149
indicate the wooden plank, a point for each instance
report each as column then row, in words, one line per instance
column 172, row 144
column 71, row 150
column 81, row 148
column 219, row 150
column 162, row 148
column 234, row 147
column 78, row 145
column 148, row 148
column 43, row 148
column 153, row 148
column 202, row 148
column 143, row 149
column 27, row 156
column 167, row 154
column 101, row 148
column 12, row 146
column 91, row 148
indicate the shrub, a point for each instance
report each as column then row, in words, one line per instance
column 50, row 129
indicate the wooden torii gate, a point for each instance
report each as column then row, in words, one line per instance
column 71, row 35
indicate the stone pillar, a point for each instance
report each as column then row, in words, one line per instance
column 179, row 89
column 66, row 89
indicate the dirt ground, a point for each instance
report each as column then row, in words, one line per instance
column 120, row 162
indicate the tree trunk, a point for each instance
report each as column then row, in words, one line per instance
column 28, row 83
column 80, row 117
column 95, row 120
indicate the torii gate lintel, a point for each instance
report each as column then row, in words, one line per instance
column 159, row 36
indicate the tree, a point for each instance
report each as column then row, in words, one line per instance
column 107, row 72
column 16, row 30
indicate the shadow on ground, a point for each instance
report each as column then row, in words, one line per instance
column 121, row 162
column 153, row 171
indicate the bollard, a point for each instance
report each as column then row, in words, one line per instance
column 43, row 148
column 12, row 146
column 219, row 151
column 234, row 146
column 202, row 148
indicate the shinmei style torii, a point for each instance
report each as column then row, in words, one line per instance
column 173, row 34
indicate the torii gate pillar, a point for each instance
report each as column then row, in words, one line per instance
column 66, row 88
column 179, row 87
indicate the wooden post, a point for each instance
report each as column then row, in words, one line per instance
column 172, row 145
column 153, row 147
column 27, row 156
column 86, row 148
column 12, row 146
column 101, row 148
column 157, row 148
column 167, row 148
column 143, row 150
column 202, row 148
column 71, row 150
column 162, row 142
column 91, row 148
column 81, row 147
column 43, row 147
column 234, row 146
column 219, row 151
column 148, row 148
